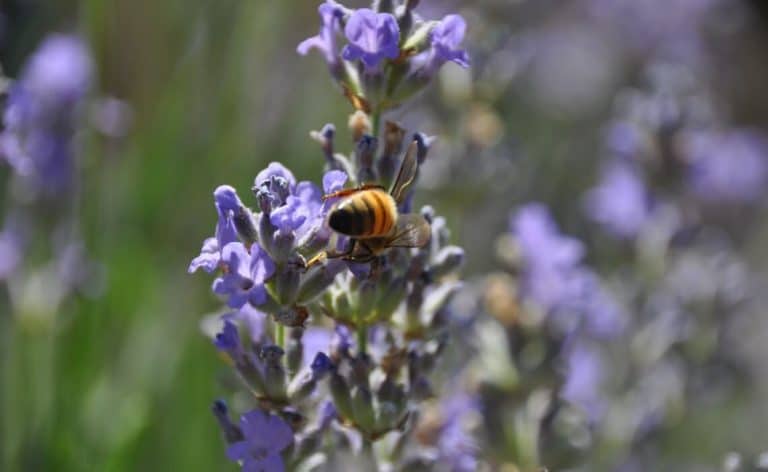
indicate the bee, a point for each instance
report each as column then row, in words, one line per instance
column 368, row 215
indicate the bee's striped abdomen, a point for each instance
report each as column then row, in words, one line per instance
column 365, row 214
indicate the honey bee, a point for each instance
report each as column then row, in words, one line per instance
column 368, row 215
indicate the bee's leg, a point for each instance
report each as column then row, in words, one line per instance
column 349, row 191
column 363, row 256
column 323, row 255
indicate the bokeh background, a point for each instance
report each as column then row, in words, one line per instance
column 120, row 377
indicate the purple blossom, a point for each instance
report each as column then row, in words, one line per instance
column 620, row 202
column 582, row 379
column 555, row 279
column 294, row 209
column 552, row 273
column 325, row 42
column 457, row 449
column 264, row 436
column 225, row 233
column 41, row 114
column 372, row 37
column 245, row 274
column 445, row 38
column 228, row 340
column 729, row 166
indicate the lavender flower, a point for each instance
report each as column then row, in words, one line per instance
column 620, row 202
column 225, row 233
column 246, row 272
column 582, row 379
column 325, row 42
column 729, row 166
column 445, row 38
column 264, row 437
column 555, row 279
column 42, row 110
column 372, row 36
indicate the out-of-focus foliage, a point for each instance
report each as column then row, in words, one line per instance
column 639, row 124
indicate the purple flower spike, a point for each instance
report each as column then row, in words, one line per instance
column 372, row 37
column 42, row 113
column 246, row 273
column 446, row 38
column 264, row 436
column 620, row 202
column 325, row 41
column 729, row 167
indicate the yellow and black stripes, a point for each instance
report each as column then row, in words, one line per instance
column 365, row 214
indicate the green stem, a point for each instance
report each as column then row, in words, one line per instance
column 362, row 338
column 375, row 123
column 280, row 335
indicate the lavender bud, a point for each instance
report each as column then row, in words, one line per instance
column 362, row 408
column 266, row 232
column 364, row 154
column 393, row 145
column 387, row 416
column 274, row 374
column 317, row 280
column 367, row 299
column 449, row 259
column 321, row 366
column 423, row 143
column 360, row 125
column 282, row 246
column 245, row 225
column 391, row 298
column 325, row 138
column 340, row 393
column 301, row 387
column 287, row 284
column 232, row 432
column 419, row 40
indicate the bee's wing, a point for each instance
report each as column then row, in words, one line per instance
column 412, row 230
column 406, row 174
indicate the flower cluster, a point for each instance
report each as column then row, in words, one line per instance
column 391, row 52
column 337, row 350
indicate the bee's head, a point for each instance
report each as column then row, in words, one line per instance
column 339, row 220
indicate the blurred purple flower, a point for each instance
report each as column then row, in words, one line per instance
column 10, row 253
column 372, row 37
column 730, row 166
column 245, row 274
column 582, row 379
column 555, row 279
column 264, row 436
column 40, row 116
column 325, row 42
column 552, row 273
column 458, row 449
column 619, row 202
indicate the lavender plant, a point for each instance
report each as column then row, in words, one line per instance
column 335, row 352
column 45, row 117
